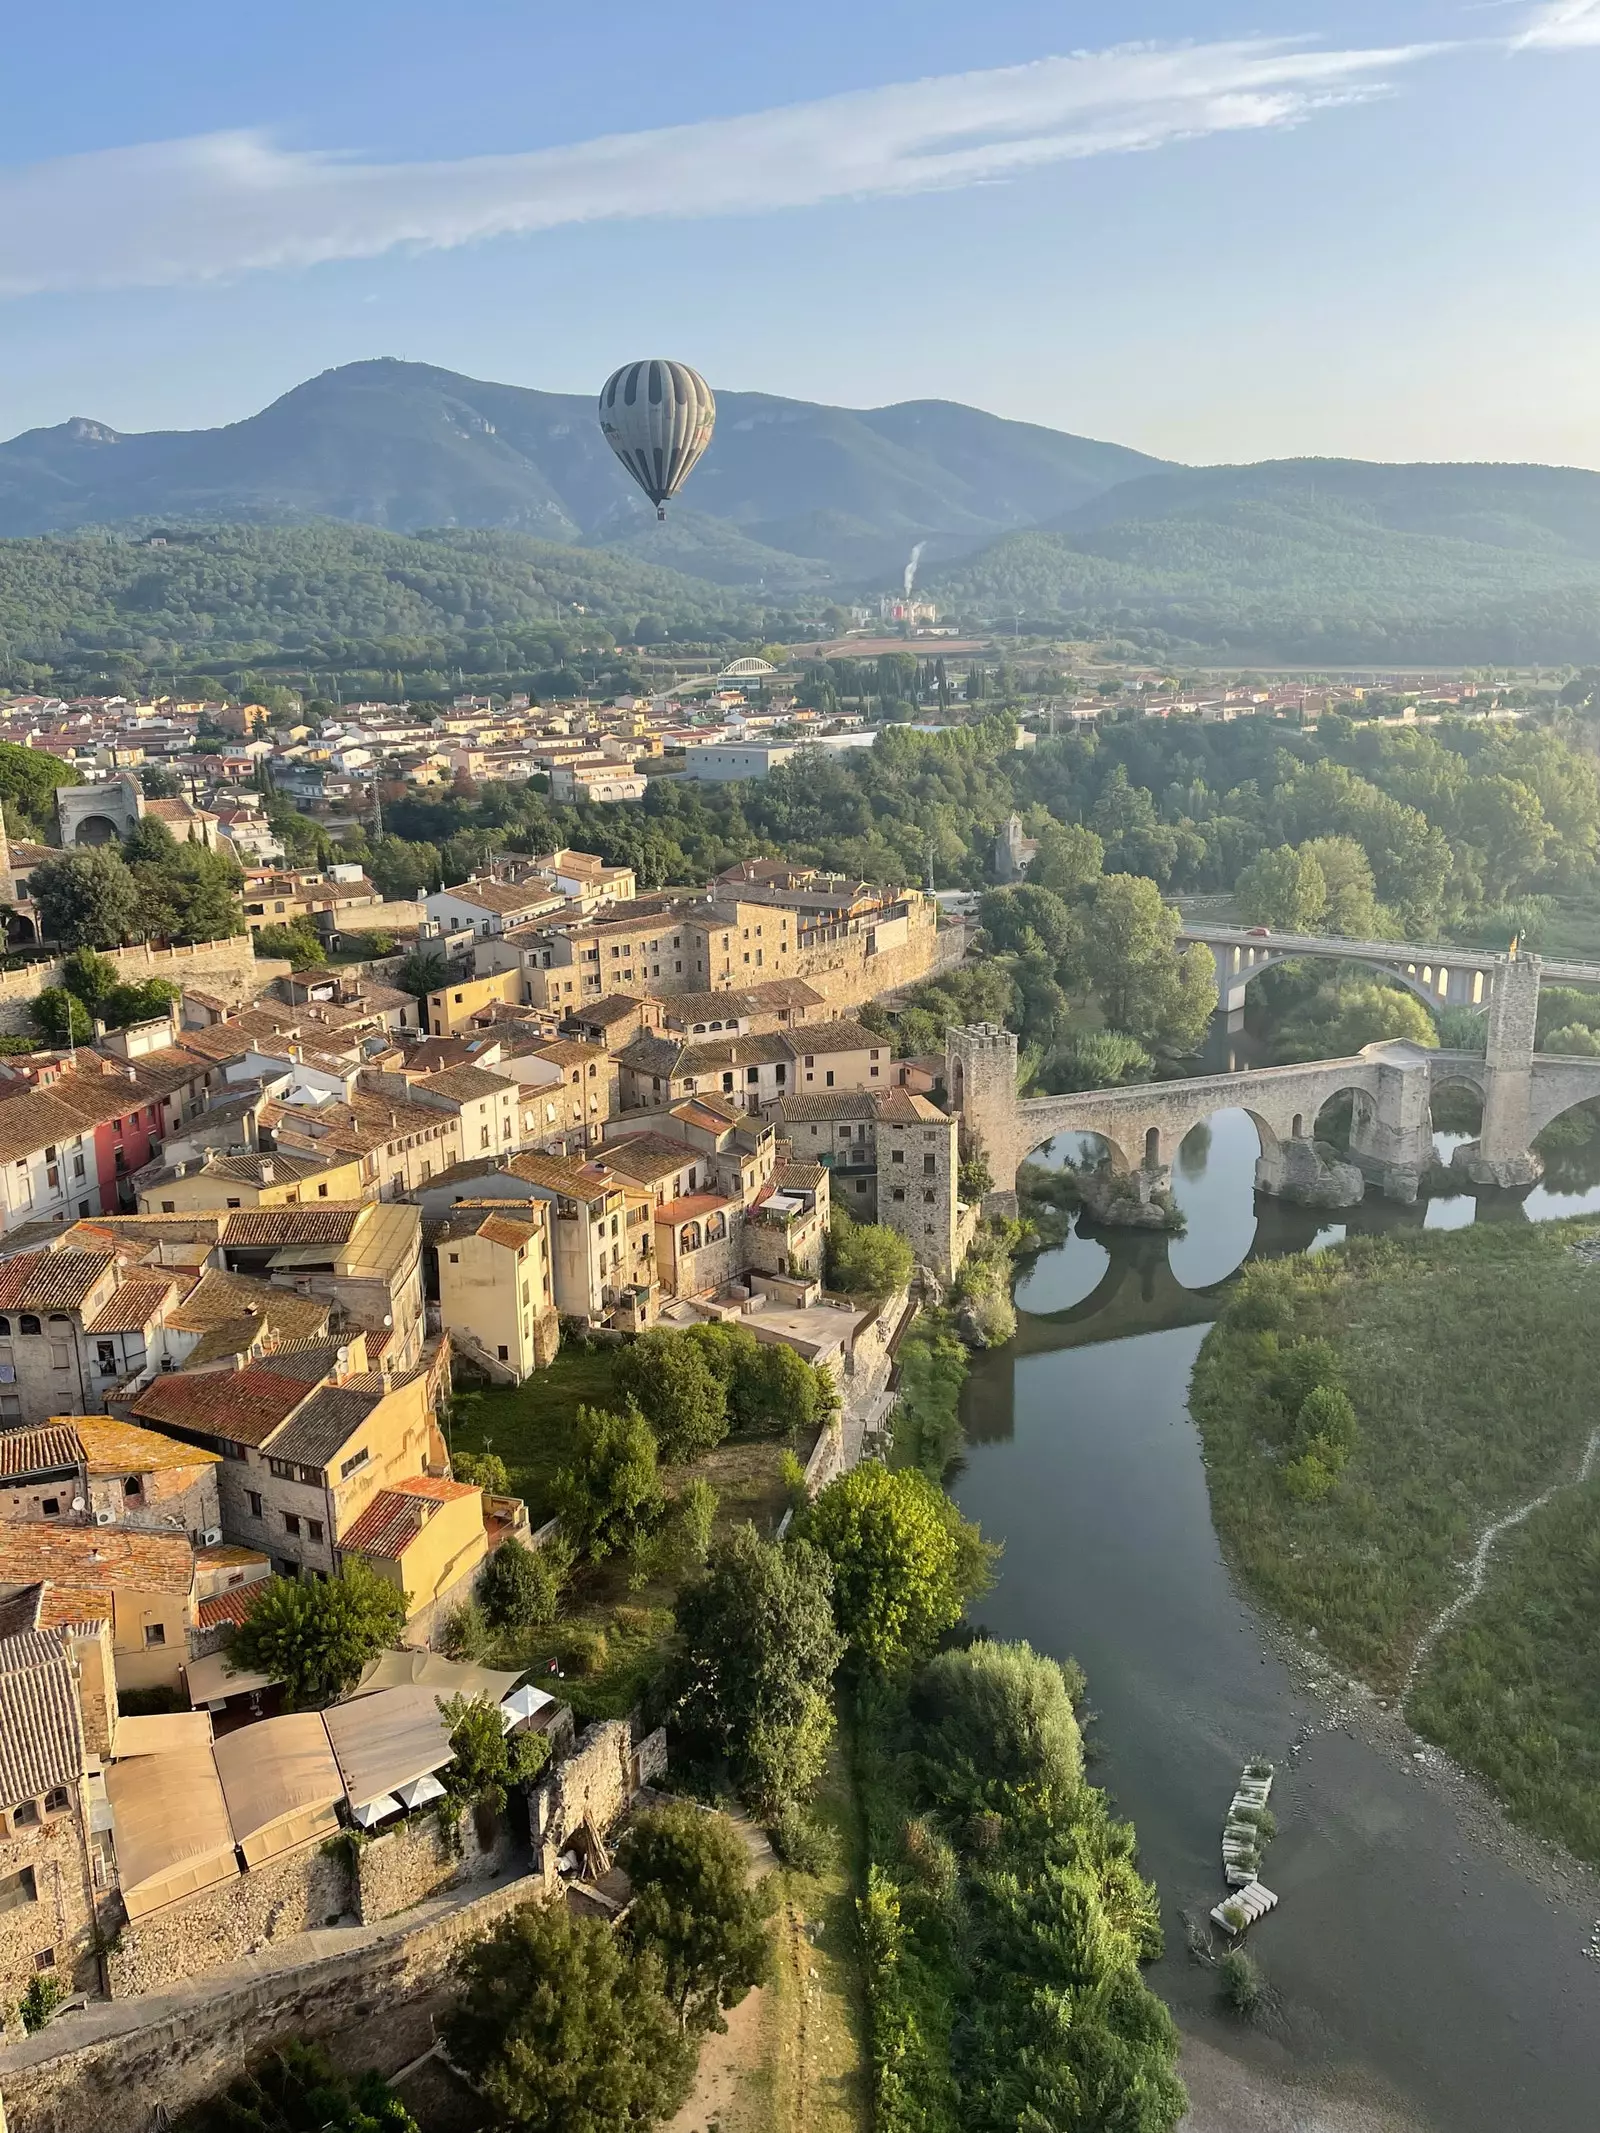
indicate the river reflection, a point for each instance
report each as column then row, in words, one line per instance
column 1407, row 1959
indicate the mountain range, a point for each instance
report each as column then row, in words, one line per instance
column 794, row 506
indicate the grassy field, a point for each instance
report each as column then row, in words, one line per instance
column 1512, row 1690
column 530, row 1425
column 1471, row 1357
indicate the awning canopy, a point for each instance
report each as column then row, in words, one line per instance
column 373, row 1811
column 161, row 1732
column 386, row 1740
column 419, row 1792
column 171, row 1827
column 428, row 1670
column 281, row 1784
column 211, row 1682
column 521, row 1704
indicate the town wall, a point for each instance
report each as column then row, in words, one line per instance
column 230, row 969
column 416, row 1859
column 595, row 1782
column 371, row 2001
column 304, row 1890
column 60, row 1917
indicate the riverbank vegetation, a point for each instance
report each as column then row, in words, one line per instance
column 1366, row 1414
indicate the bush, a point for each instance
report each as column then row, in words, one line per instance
column 1242, row 1982
column 300, row 945
column 866, row 1259
column 800, row 1842
column 520, row 1587
column 997, row 1724
column 465, row 1634
column 482, row 1470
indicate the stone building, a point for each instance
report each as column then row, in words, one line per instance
column 96, row 1470
column 891, row 1157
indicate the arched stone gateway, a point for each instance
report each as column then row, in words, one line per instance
column 1391, row 1141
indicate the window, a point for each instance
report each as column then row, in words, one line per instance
column 45, row 1959
column 51, row 1506
column 252, row 1497
column 899, row 1192
column 283, row 1469
column 105, row 1357
column 20, row 1888
column 828, row 1081
column 169, row 1207
column 356, row 1460
column 291, row 1524
column 929, row 1166
column 28, row 1323
column 504, row 1354
column 314, row 1529
column 133, row 1487
column 60, row 1356
column 77, row 1169
column 897, row 1155
column 455, row 1258
column 57, row 1800
column 235, row 1203
column 155, row 1634
column 927, row 1199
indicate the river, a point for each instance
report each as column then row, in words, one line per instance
column 1416, row 1969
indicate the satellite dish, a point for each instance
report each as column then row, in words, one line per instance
column 77, row 1503
column 658, row 418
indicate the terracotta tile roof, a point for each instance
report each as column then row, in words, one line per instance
column 51, row 1281
column 277, row 1226
column 134, row 1306
column 513, row 1224
column 219, row 1044
column 94, row 1559
column 52, row 1448
column 558, row 1173
column 495, row 896
column 41, row 1727
column 610, row 1008
column 776, row 995
column 234, row 1605
column 465, row 1084
column 219, row 1299
column 829, row 1104
column 113, row 1447
column 243, row 1405
column 649, row 1053
column 314, row 1434
column 650, row 1157
column 393, row 1519
column 841, row 1036
column 801, row 1177
column 692, row 1205
column 710, row 1055
column 435, row 1487
column 900, row 1107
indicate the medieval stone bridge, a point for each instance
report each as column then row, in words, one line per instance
column 1392, row 1086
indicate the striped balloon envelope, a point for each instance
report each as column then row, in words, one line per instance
column 658, row 418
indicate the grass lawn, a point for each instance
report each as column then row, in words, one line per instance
column 1471, row 1357
column 530, row 1425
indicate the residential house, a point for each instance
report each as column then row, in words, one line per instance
column 496, row 1284
column 96, row 1470
column 893, row 1158
column 363, row 1259
column 279, row 1179
column 748, row 1011
column 485, row 909
column 426, row 1536
column 146, row 1585
column 786, row 1226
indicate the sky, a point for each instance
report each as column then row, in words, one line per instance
column 1214, row 231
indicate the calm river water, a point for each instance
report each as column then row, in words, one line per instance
column 1411, row 1964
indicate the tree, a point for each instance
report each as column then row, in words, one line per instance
column 520, row 1587
column 905, row 1562
column 86, row 899
column 1344, row 1015
column 61, row 1016
column 482, row 1470
column 1283, row 888
column 561, row 2031
column 125, row 1004
column 403, row 872
column 866, row 1258
column 1352, row 900
column 1029, row 921
column 764, row 1382
column 298, row 944
column 486, row 1761
column 670, row 1380
column 314, row 1635
column 997, row 1728
column 695, row 1912
column 422, row 972
column 1069, row 860
column 759, row 1652
column 93, row 978
column 296, row 2090
column 1130, row 957
column 609, row 1499
column 28, row 783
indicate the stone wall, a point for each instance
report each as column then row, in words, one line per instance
column 370, row 2000
column 596, row 1781
column 229, row 969
column 415, row 1859
column 305, row 1889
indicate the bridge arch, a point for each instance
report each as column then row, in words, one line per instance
column 1437, row 984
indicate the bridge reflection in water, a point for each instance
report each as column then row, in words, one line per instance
column 1107, row 1284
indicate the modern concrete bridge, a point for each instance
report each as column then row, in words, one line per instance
column 1392, row 1085
column 1444, row 977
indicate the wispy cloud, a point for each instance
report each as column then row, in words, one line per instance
column 225, row 203
column 1562, row 26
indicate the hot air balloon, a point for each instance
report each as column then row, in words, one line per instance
column 657, row 418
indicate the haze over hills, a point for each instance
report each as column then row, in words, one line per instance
column 405, row 447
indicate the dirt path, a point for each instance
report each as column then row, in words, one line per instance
column 1480, row 1563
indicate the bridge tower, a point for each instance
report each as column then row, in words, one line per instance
column 1503, row 1153
column 981, row 1079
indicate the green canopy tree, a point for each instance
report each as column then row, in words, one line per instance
column 1130, row 957
column 610, row 1498
column 905, row 1562
column 1069, row 860
column 314, row 1635
column 563, row 2031
column 866, row 1258
column 695, row 1911
column 669, row 1378
column 87, row 899
column 1284, row 889
column 759, row 1653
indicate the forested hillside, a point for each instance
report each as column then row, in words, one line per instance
column 1317, row 561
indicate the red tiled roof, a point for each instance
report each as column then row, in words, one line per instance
column 234, row 1605
column 132, row 1308
column 435, row 1488
column 389, row 1524
column 246, row 1405
column 51, row 1281
column 292, row 1225
column 691, row 1205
